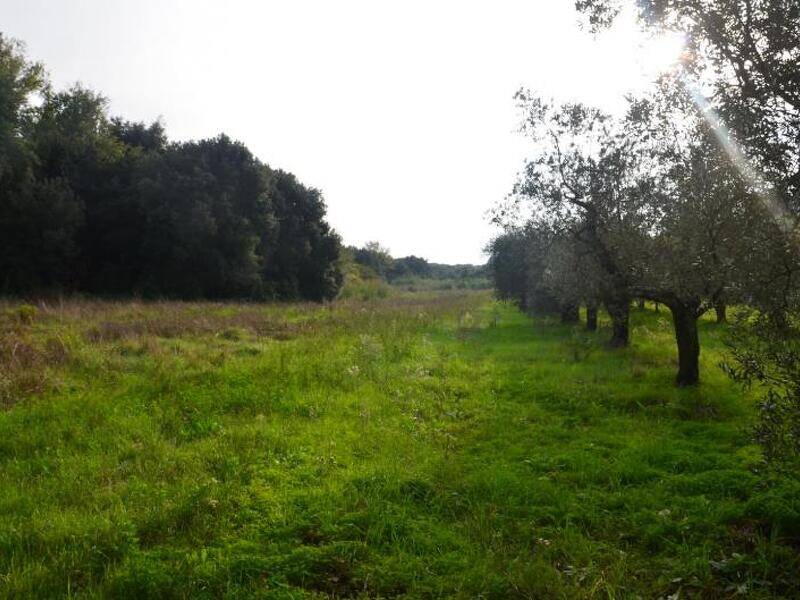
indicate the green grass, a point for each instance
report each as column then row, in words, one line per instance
column 423, row 445
column 429, row 284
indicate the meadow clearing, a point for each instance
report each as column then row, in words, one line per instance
column 423, row 445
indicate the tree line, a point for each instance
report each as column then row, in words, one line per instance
column 96, row 204
column 375, row 260
column 690, row 199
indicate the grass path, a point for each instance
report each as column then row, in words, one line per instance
column 427, row 446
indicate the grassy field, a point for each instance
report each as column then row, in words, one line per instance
column 422, row 445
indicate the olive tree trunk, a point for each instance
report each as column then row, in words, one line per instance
column 619, row 309
column 591, row 316
column 570, row 314
column 684, row 319
column 722, row 312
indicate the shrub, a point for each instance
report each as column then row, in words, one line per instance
column 365, row 289
column 24, row 313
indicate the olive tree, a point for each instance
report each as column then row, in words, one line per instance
column 746, row 53
column 578, row 178
column 517, row 264
column 656, row 201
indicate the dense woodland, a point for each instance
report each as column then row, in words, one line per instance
column 97, row 204
column 689, row 200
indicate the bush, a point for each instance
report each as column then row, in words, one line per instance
column 369, row 289
column 764, row 354
column 24, row 313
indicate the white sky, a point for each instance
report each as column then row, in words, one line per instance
column 402, row 113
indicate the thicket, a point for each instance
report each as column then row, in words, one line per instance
column 96, row 204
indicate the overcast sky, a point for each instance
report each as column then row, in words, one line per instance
column 402, row 113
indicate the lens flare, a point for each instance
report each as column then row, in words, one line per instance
column 754, row 179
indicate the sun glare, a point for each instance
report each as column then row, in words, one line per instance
column 661, row 53
column 641, row 58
